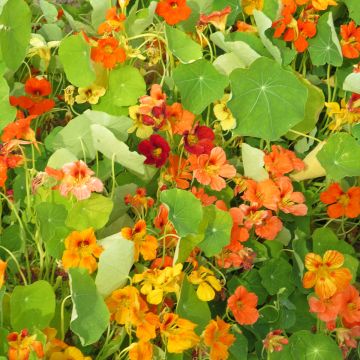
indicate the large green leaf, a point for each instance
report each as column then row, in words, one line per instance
column 325, row 48
column 126, row 85
column 325, row 239
column 218, row 231
column 60, row 157
column 239, row 349
column 340, row 156
column 99, row 11
column 276, row 274
column 74, row 53
column 90, row 316
column 354, row 9
column 314, row 105
column 185, row 210
column 32, row 306
column 253, row 162
column 182, row 46
column 7, row 111
column 115, row 263
column 15, row 21
column 192, row 308
column 93, row 212
column 305, row 345
column 199, row 84
column 267, row 100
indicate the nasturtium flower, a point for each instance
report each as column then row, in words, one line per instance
column 216, row 18
column 22, row 345
column 179, row 119
column 178, row 333
column 81, row 250
column 173, row 11
column 144, row 244
column 218, row 338
column 243, row 305
column 275, row 341
column 350, row 42
column 90, row 94
column 156, row 283
column 156, row 149
column 114, row 22
column 142, row 130
column 224, row 114
column 350, row 310
column 178, row 172
column 326, row 309
column 3, row 265
column 19, row 129
column 249, row 6
column 242, row 26
column 199, row 140
column 142, row 350
column 70, row 353
column 206, row 281
column 69, row 95
column 318, row 4
column 166, row 227
column 341, row 203
column 108, row 52
column 342, row 114
column 212, row 169
column 326, row 273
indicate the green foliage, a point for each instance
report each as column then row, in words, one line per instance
column 354, row 9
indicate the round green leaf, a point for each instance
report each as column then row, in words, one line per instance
column 15, row 24
column 340, row 156
column 325, row 239
column 74, row 53
column 267, row 100
column 185, row 210
column 90, row 316
column 325, row 48
column 354, row 9
column 51, row 216
column 32, row 306
column 199, row 84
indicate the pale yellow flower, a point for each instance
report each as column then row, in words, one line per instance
column 69, row 95
column 223, row 113
column 249, row 6
column 142, row 131
column 341, row 115
column 90, row 94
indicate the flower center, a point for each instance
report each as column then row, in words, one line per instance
column 108, row 49
column 192, row 139
column 157, row 152
column 344, row 200
column 174, row 4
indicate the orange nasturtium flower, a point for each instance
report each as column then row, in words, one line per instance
column 144, row 244
column 114, row 22
column 350, row 42
column 70, row 353
column 249, row 6
column 207, row 282
column 243, row 305
column 19, row 129
column 216, row 18
column 141, row 350
column 341, row 203
column 21, row 345
column 3, row 265
column 173, row 11
column 108, row 52
column 81, row 250
column 178, row 333
column 158, row 282
column 326, row 274
column 218, row 337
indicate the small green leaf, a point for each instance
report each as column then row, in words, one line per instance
column 49, row 10
column 199, row 84
column 8, row 112
column 218, row 231
column 352, row 83
column 239, row 349
column 185, row 210
column 325, row 48
column 99, row 8
column 90, row 316
column 32, row 306
column 182, row 46
column 267, row 100
column 340, row 156
column 74, row 53
column 115, row 263
column 93, row 212
column 15, row 34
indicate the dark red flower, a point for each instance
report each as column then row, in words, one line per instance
column 156, row 150
column 200, row 140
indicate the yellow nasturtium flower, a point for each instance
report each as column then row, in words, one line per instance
column 142, row 131
column 207, row 282
column 341, row 115
column 223, row 113
column 249, row 6
column 90, row 94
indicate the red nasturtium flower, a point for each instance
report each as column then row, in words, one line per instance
column 326, row 274
column 218, row 338
column 173, row 11
column 35, row 102
column 156, row 150
column 108, row 52
column 199, row 140
column 350, row 42
column 21, row 345
column 243, row 305
column 341, row 203
column 81, row 250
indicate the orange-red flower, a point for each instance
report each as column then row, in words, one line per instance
column 180, row 120
column 3, row 265
column 81, row 250
column 162, row 223
column 341, row 203
column 19, row 129
column 326, row 309
column 21, row 345
column 281, row 161
column 114, row 22
column 326, row 274
column 108, row 52
column 212, row 169
column 178, row 171
column 139, row 201
column 205, row 199
column 350, row 42
column 141, row 350
column 178, row 333
column 173, row 11
column 274, row 341
column 242, row 26
column 35, row 102
column 216, row 18
column 243, row 305
column 242, row 258
column 144, row 244
column 218, row 337
column 350, row 310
